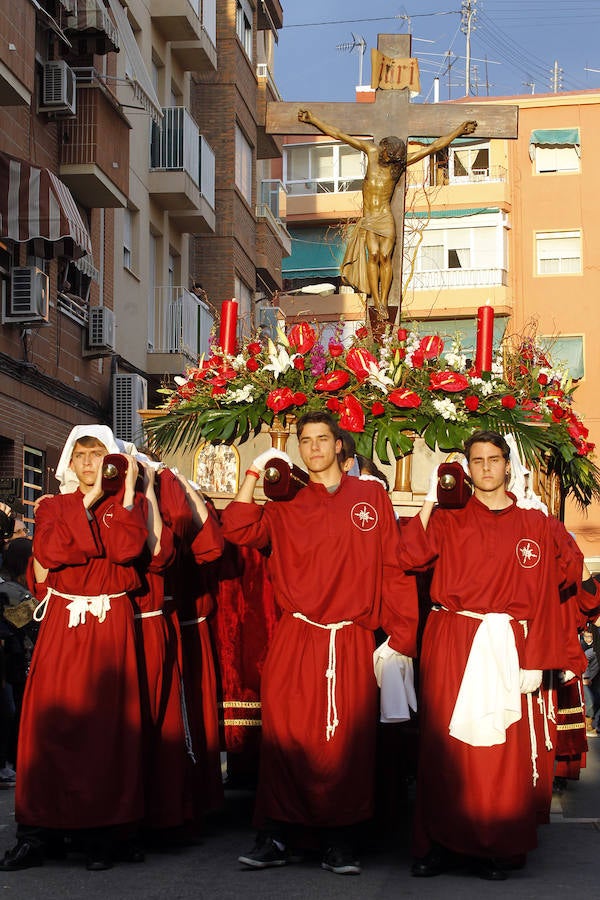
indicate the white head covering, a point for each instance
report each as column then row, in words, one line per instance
column 65, row 475
column 520, row 480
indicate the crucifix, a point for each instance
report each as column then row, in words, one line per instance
column 373, row 260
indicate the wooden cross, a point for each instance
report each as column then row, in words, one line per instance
column 393, row 114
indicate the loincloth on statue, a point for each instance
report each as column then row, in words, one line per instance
column 354, row 264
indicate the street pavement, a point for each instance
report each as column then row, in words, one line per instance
column 566, row 863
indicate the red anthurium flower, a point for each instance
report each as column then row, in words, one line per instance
column 335, row 349
column 186, row 391
column 218, row 389
column 352, row 416
column 299, row 363
column 402, row 334
column 577, row 430
column 404, row 398
column 299, row 398
column 333, row 404
column 252, row 364
column 432, row 346
column 362, row 332
column 377, row 408
column 302, row 337
column 451, row 382
column 280, row 399
column 358, row 361
column 508, row 401
column 472, row 402
column 333, row 381
column 254, row 348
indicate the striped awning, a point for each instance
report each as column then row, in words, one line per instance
column 91, row 18
column 36, row 206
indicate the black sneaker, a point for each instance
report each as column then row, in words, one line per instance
column 264, row 855
column 341, row 861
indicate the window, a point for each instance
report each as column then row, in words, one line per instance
column 243, row 295
column 33, row 479
column 243, row 26
column 470, row 164
column 558, row 253
column 568, row 351
column 243, row 165
column 555, row 150
column 127, row 239
column 323, row 168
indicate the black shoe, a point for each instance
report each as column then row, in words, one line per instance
column 98, row 863
column 98, row 855
column 489, row 869
column 264, row 855
column 341, row 861
column 22, row 856
column 131, row 850
column 436, row 862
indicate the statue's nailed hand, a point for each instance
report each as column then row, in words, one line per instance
column 469, row 127
column 304, row 116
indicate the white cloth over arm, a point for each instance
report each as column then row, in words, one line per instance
column 395, row 677
column 489, row 699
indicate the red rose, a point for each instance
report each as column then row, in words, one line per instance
column 472, row 402
column 335, row 349
column 542, row 379
column 302, row 337
column 402, row 334
column 508, row 401
column 252, row 364
column 299, row 398
column 254, row 349
column 432, row 346
column 404, row 398
column 333, row 381
column 362, row 332
column 451, row 382
column 523, row 370
column 359, row 360
column 333, row 404
column 377, row 409
column 299, row 363
column 418, row 359
column 280, row 399
column 352, row 416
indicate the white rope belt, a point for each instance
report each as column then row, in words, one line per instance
column 97, row 605
column 149, row 615
column 330, row 673
column 192, row 621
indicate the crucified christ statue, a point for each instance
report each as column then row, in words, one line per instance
column 367, row 264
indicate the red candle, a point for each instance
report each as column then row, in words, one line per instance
column 227, row 333
column 485, row 338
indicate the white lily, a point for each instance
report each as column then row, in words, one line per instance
column 378, row 378
column 279, row 359
column 179, row 380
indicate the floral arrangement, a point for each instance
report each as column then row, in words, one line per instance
column 386, row 390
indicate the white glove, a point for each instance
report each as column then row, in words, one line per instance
column 263, row 458
column 465, row 464
column 431, row 494
column 566, row 675
column 529, row 680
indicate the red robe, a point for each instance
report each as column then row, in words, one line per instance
column 335, row 557
column 480, row 800
column 79, row 757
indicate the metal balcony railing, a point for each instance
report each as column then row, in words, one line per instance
column 458, row 278
column 182, row 323
column 176, row 145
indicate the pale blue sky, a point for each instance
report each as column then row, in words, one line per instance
column 514, row 45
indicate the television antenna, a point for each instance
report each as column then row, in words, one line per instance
column 357, row 43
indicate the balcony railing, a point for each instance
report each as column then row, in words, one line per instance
column 272, row 195
column 487, row 175
column 182, row 323
column 176, row 145
column 459, row 278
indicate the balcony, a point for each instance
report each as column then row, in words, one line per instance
column 269, row 15
column 273, row 240
column 91, row 30
column 182, row 171
column 191, row 25
column 95, row 169
column 180, row 326
column 268, row 146
column 459, row 278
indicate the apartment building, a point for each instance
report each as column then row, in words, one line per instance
column 512, row 223
column 136, row 197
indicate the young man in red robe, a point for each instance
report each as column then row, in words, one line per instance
column 337, row 575
column 79, row 756
column 495, row 623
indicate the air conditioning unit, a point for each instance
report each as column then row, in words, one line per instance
column 130, row 393
column 101, row 328
column 59, row 89
column 29, row 295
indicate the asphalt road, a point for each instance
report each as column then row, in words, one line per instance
column 566, row 863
